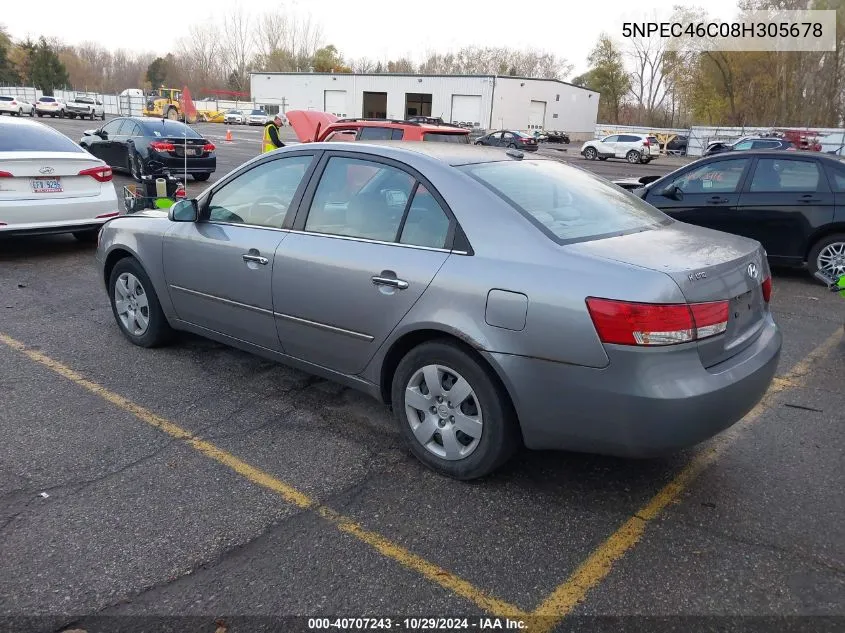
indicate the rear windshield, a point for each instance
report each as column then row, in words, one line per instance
column 445, row 137
column 84, row 100
column 166, row 127
column 258, row 112
column 47, row 100
column 34, row 138
column 567, row 204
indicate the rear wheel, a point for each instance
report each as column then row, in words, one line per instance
column 828, row 256
column 590, row 153
column 172, row 114
column 20, row 111
column 633, row 157
column 451, row 413
column 136, row 166
column 135, row 305
column 32, row 112
column 201, row 177
column 512, row 146
column 103, row 116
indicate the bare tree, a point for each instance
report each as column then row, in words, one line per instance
column 236, row 43
column 200, row 55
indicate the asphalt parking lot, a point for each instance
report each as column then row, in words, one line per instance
column 196, row 480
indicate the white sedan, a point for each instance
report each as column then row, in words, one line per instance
column 15, row 106
column 48, row 184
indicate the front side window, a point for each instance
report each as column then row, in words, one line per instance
column 360, row 198
column 743, row 145
column 260, row 196
column 112, row 127
column 718, row 177
column 774, row 175
column 837, row 172
column 567, row 204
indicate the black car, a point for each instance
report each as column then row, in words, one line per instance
column 792, row 203
column 763, row 142
column 147, row 146
column 678, row 145
column 509, row 138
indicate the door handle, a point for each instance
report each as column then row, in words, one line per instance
column 401, row 284
column 258, row 259
column 717, row 200
column 808, row 198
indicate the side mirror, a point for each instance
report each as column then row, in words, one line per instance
column 184, row 211
column 91, row 132
column 673, row 192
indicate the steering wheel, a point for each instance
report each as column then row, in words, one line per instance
column 275, row 200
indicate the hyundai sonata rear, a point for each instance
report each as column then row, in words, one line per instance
column 48, row 184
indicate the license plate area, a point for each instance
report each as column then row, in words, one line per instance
column 46, row 185
column 190, row 151
column 742, row 311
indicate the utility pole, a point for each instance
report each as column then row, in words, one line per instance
column 284, row 105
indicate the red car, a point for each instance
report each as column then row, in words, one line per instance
column 311, row 126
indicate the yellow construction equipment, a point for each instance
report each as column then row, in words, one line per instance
column 169, row 103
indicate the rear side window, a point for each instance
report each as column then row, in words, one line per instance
column 440, row 137
column 380, row 134
column 567, row 204
column 775, row 175
column 426, row 223
column 34, row 138
column 2, row 98
column 837, row 174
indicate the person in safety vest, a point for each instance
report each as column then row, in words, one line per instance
column 271, row 140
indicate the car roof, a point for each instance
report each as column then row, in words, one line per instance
column 454, row 154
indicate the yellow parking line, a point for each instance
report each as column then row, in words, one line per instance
column 563, row 600
column 291, row 495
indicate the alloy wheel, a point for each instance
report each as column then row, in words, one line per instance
column 443, row 411
column 831, row 259
column 131, row 304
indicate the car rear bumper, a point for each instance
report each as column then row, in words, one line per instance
column 53, row 215
column 176, row 165
column 644, row 403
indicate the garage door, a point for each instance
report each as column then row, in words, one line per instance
column 537, row 115
column 335, row 102
column 466, row 109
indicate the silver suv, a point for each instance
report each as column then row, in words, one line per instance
column 635, row 148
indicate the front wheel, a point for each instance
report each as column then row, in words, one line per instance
column 633, row 157
column 135, row 305
column 201, row 177
column 451, row 413
column 32, row 113
column 828, row 256
column 590, row 153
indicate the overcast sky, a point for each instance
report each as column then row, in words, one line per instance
column 375, row 29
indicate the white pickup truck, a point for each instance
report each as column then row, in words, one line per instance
column 85, row 106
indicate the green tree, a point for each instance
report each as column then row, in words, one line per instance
column 328, row 59
column 157, row 72
column 48, row 72
column 8, row 73
column 607, row 76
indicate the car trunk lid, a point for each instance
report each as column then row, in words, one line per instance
column 38, row 175
column 707, row 266
column 308, row 124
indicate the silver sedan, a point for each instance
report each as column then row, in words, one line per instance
column 491, row 299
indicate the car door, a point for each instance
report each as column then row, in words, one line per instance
column 607, row 145
column 493, row 139
column 349, row 272
column 625, row 143
column 708, row 196
column 219, row 269
column 128, row 133
column 100, row 145
column 785, row 202
column 508, row 138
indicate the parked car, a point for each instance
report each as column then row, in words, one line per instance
column 146, row 146
column 557, row 136
column 509, row 138
column 793, row 204
column 234, row 116
column 50, row 106
column 48, row 184
column 15, row 106
column 388, row 275
column 678, row 145
column 635, row 148
column 310, row 125
column 85, row 106
column 747, row 143
column 257, row 117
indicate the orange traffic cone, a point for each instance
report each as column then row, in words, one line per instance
column 228, row 136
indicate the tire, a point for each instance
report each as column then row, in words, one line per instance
column 479, row 143
column 40, row 115
column 20, row 111
column 71, row 115
column 590, row 153
column 633, row 157
column 831, row 251
column 136, row 166
column 87, row 236
column 201, row 177
column 157, row 330
column 103, row 116
column 498, row 430
column 32, row 113
column 172, row 114
column 512, row 146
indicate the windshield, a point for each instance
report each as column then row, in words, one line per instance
column 258, row 112
column 567, row 204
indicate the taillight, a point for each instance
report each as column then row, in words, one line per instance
column 626, row 323
column 647, row 143
column 767, row 289
column 208, row 147
column 14, row 103
column 161, row 146
column 100, row 174
column 5, row 174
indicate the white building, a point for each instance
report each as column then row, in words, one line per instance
column 485, row 101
